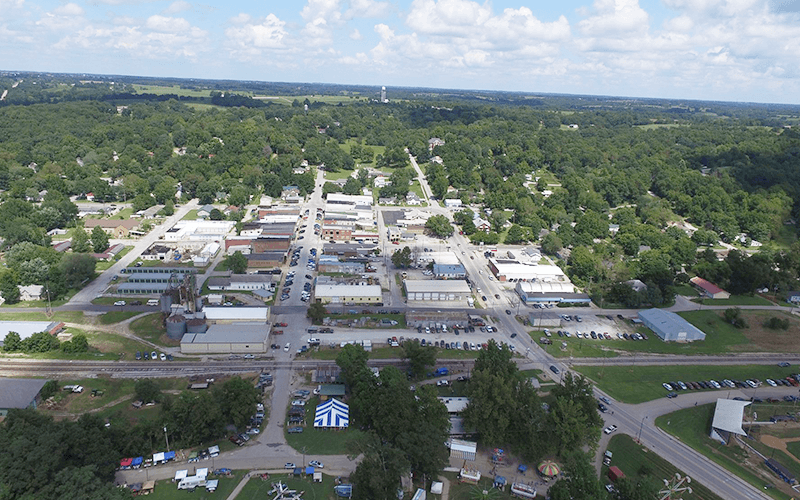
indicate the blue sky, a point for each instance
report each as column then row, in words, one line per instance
column 735, row 50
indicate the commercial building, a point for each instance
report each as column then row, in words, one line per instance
column 544, row 292
column 268, row 242
column 436, row 290
column 157, row 252
column 241, row 282
column 449, row 271
column 348, row 294
column 514, row 270
column 348, row 199
column 199, row 230
column 19, row 393
column 115, row 228
column 669, row 326
column 332, row 264
column 228, row 315
column 337, row 232
column 238, row 338
column 707, row 289
column 264, row 260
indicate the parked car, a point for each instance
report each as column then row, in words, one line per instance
column 317, row 464
column 119, row 303
column 289, row 466
column 610, row 429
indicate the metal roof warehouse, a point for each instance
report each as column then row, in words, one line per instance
column 669, row 326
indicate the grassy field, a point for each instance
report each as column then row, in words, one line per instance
column 175, row 89
column 691, row 425
column 738, row 300
column 112, row 317
column 190, row 215
column 115, row 346
column 686, row 291
column 167, row 490
column 794, row 448
column 722, row 338
column 65, row 316
column 637, row 384
column 640, row 464
column 314, row 441
column 578, row 348
column 113, row 389
column 466, row 491
column 258, row 489
column 151, row 328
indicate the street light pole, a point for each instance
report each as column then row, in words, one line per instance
column 166, row 437
column 641, row 425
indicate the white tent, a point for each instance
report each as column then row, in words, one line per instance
column 728, row 416
column 180, row 474
column 437, row 487
column 202, row 472
column 332, row 414
column 158, row 457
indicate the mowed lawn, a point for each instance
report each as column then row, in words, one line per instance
column 637, row 384
column 258, row 489
column 691, row 426
column 315, row 441
column 640, row 464
column 167, row 490
column 722, row 337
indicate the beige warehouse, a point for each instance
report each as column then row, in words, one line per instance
column 241, row 338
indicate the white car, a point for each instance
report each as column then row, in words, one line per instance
column 298, row 402
column 119, row 303
column 317, row 464
column 715, row 384
column 771, row 382
column 286, row 347
column 610, row 429
column 162, row 357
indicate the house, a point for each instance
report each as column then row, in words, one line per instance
column 708, row 289
column 30, row 292
column 115, row 228
column 413, row 199
column 157, row 252
column 205, row 211
column 288, row 191
column 19, row 393
column 62, row 246
column 637, row 285
column 452, row 203
column 434, row 142
column 482, row 225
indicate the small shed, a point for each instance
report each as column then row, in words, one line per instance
column 318, row 477
column 615, row 473
column 437, row 487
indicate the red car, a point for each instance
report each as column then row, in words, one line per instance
column 277, row 332
column 281, row 324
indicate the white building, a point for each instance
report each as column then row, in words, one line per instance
column 348, row 199
column 513, row 270
column 436, row 290
column 199, row 230
column 348, row 294
column 240, row 338
column 452, row 203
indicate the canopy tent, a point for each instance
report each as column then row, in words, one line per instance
column 125, row 463
column 437, row 487
column 202, row 472
column 522, row 468
column 332, row 414
column 212, row 484
column 548, row 468
column 180, row 474
column 213, row 451
column 310, row 471
column 137, row 462
column 158, row 457
column 170, row 455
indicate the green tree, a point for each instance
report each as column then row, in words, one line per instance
column 237, row 397
column 12, row 342
column 516, row 235
column 439, row 226
column 551, row 244
column 401, row 259
column 147, row 390
column 99, row 240
column 378, row 473
column 353, row 362
column 169, row 208
column 77, row 269
column 80, row 241
column 316, row 311
column 580, row 480
column 352, row 186
column 216, row 214
column 236, row 262
column 419, row 358
column 78, row 343
column 8, row 287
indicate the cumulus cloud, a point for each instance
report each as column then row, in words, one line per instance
column 355, row 34
column 177, row 7
column 165, row 24
column 188, row 43
column 63, row 18
column 250, row 38
column 367, row 8
column 329, row 10
column 614, row 18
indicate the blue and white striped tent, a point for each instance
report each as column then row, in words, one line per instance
column 332, row 414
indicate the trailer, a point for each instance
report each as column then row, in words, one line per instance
column 523, row 490
column 192, row 482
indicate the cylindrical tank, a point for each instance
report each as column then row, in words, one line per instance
column 166, row 303
column 176, row 326
column 196, row 326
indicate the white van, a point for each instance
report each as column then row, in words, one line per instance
column 152, row 302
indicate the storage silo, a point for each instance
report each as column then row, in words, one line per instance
column 176, row 326
column 196, row 325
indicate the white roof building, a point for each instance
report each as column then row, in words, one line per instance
column 437, row 290
column 344, row 294
column 728, row 416
column 199, row 230
column 349, row 199
column 513, row 270
column 227, row 338
column 234, row 314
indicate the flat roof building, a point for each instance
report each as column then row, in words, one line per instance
column 513, row 270
column 227, row 338
column 346, row 294
column 532, row 292
column 221, row 315
column 669, row 326
column 437, row 290
column 243, row 282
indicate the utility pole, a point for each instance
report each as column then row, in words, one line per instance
column 166, row 437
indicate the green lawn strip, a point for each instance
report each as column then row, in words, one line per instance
column 65, row 316
column 639, row 463
column 257, row 488
column 466, row 491
column 190, row 215
column 316, row 441
column 686, row 291
column 580, row 348
column 112, row 345
column 113, row 388
column 691, row 426
column 637, row 384
column 176, row 90
column 116, row 316
column 738, row 300
column 168, row 490
column 794, row 448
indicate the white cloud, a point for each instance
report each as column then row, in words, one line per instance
column 177, row 7
column 359, row 59
column 132, row 40
column 355, row 35
column 615, row 18
column 447, row 17
column 63, row 18
column 367, row 8
column 165, row 24
column 69, row 10
column 329, row 10
column 250, row 39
